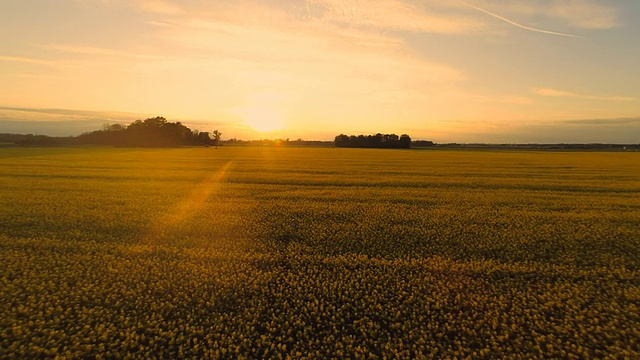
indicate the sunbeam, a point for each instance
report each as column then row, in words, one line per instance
column 188, row 206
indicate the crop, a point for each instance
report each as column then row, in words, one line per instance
column 318, row 253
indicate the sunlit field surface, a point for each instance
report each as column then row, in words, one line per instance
column 318, row 253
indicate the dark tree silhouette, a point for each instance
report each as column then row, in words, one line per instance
column 405, row 141
column 202, row 137
column 151, row 132
column 423, row 143
column 216, row 137
column 378, row 141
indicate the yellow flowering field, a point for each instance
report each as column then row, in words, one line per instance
column 318, row 253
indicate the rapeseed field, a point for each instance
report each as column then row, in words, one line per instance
column 318, row 253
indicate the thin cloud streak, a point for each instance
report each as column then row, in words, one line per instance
column 99, row 51
column 624, row 121
column 71, row 122
column 159, row 7
column 71, row 113
column 26, row 60
column 559, row 93
column 542, row 31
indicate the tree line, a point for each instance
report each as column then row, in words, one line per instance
column 378, row 141
column 152, row 132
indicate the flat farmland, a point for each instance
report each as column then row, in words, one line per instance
column 318, row 253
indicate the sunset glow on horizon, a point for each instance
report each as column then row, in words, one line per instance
column 463, row 71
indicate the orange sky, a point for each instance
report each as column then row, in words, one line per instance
column 465, row 71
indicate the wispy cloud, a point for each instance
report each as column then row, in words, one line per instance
column 99, row 51
column 312, row 64
column 604, row 130
column 576, row 14
column 425, row 16
column 89, row 50
column 394, row 15
column 615, row 121
column 516, row 24
column 22, row 113
column 58, row 122
column 568, row 94
column 42, row 76
column 160, row 7
column 63, row 122
column 584, row 14
column 26, row 60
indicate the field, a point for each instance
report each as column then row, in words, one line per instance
column 318, row 253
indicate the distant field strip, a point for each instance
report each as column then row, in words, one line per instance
column 318, row 253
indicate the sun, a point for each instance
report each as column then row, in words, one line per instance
column 264, row 120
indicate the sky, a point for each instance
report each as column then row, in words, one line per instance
column 492, row 71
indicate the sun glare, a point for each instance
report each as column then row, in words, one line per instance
column 264, row 120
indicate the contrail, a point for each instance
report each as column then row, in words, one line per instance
column 515, row 23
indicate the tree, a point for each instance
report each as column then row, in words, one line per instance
column 203, row 138
column 216, row 135
column 152, row 132
column 342, row 140
column 377, row 141
column 113, row 127
column 405, row 141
